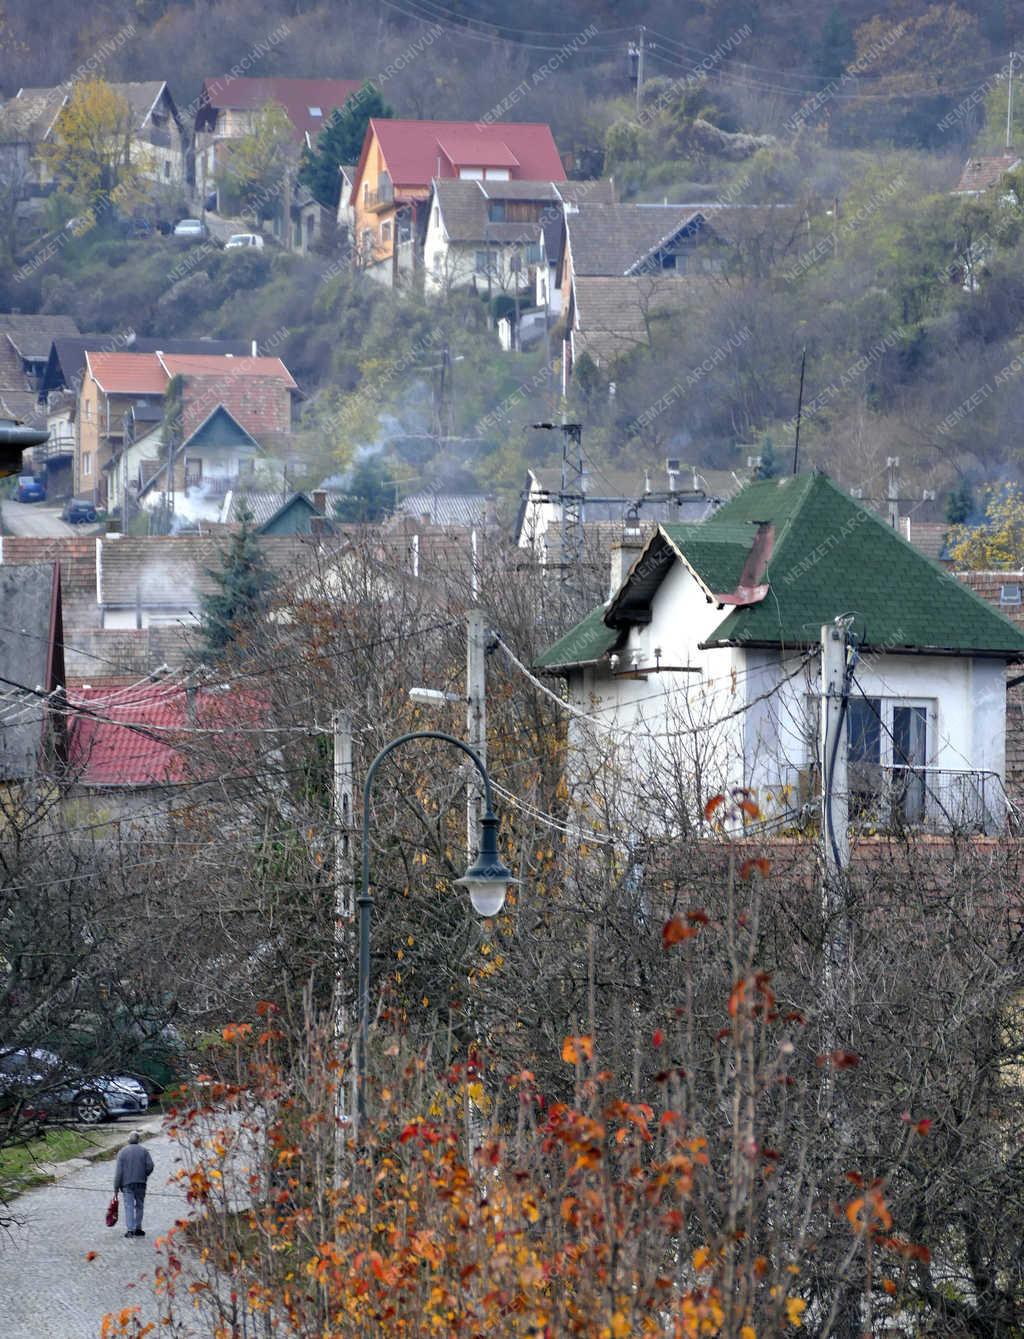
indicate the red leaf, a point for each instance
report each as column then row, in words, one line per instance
column 923, row 1126
column 674, row 932
column 760, row 864
column 657, row 1037
column 712, row 805
column 697, row 917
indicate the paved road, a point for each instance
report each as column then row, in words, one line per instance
column 33, row 518
column 48, row 1289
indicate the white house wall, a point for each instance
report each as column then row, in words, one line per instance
column 672, row 739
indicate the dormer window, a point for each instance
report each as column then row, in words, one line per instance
column 316, row 111
column 1010, row 594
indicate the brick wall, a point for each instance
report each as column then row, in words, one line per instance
column 989, row 586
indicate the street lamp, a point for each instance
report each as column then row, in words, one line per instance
column 487, row 881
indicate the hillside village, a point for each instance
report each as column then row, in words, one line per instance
column 612, row 468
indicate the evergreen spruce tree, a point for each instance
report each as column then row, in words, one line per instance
column 960, row 504
column 242, row 595
column 341, row 142
column 767, row 465
column 836, row 48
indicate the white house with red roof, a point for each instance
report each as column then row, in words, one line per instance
column 400, row 160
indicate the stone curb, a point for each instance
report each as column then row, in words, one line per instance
column 46, row 1173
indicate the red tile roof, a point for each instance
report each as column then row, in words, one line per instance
column 296, row 96
column 127, row 373
column 418, row 151
column 980, row 174
column 225, row 366
column 141, row 735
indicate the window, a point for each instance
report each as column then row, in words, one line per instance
column 496, row 211
column 484, row 262
column 385, row 232
column 888, row 757
column 367, row 240
column 1009, row 594
column 88, row 411
column 86, row 463
column 315, row 111
column 533, row 253
column 167, row 168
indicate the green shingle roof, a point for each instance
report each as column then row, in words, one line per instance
column 832, row 556
column 584, row 644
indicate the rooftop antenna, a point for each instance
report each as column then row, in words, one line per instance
column 799, row 409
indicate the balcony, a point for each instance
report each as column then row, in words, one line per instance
column 382, row 198
column 896, row 799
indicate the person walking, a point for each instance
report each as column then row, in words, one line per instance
column 133, row 1169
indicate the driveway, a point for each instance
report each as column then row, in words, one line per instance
column 48, row 1287
column 41, row 519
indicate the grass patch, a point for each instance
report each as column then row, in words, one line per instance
column 19, row 1164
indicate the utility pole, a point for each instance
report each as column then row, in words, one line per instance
column 799, row 410
column 344, row 884
column 570, row 501
column 476, row 720
column 1009, row 104
column 637, row 51
column 834, row 751
column 892, row 491
column 835, row 814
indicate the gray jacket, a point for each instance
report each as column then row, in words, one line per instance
column 133, row 1166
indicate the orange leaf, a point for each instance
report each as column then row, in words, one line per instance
column 923, row 1126
column 736, row 996
column 760, row 864
column 712, row 805
column 889, row 1286
column 577, row 1049
column 90, row 1255
column 697, row 916
column 750, row 808
column 674, row 932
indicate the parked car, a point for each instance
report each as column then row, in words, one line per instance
column 192, row 229
column 240, row 239
column 78, row 511
column 31, row 489
column 46, row 1083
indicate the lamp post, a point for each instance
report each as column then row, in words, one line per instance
column 486, row 881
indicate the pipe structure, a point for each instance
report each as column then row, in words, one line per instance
column 15, row 437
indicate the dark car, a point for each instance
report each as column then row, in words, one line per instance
column 31, row 489
column 78, row 511
column 44, row 1082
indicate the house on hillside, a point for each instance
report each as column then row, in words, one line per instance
column 24, row 347
column 400, row 161
column 158, row 143
column 227, row 107
column 982, row 172
column 623, row 266
column 33, row 738
column 230, row 409
column 61, row 381
column 700, row 676
column 218, row 457
column 501, row 236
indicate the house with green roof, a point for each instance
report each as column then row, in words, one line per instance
column 700, row 675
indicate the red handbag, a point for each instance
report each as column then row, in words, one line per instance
column 112, row 1212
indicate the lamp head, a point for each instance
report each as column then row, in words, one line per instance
column 487, row 880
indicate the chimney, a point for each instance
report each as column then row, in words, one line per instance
column 190, row 703
column 255, row 348
column 625, row 552
column 319, row 500
column 672, row 468
column 490, row 510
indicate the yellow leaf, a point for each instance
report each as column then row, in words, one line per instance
column 748, row 1332
column 795, row 1308
column 620, row 1326
column 701, row 1258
